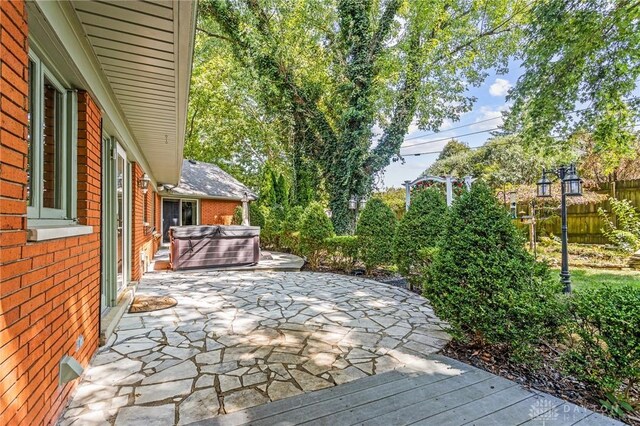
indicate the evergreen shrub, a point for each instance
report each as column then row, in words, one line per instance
column 485, row 284
column 375, row 230
column 343, row 251
column 418, row 229
column 316, row 227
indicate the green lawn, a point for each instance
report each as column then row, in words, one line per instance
column 586, row 278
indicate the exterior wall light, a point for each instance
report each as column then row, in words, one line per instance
column 143, row 183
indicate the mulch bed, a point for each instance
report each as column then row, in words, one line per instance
column 545, row 377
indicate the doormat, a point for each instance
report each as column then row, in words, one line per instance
column 144, row 303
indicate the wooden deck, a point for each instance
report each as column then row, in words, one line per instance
column 453, row 394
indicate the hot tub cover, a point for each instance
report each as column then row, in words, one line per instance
column 208, row 231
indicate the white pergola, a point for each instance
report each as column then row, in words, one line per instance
column 447, row 180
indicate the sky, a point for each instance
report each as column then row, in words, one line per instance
column 485, row 115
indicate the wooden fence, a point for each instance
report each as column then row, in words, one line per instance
column 584, row 223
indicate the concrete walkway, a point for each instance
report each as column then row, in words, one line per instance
column 288, row 348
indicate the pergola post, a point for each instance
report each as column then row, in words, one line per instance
column 449, row 186
column 245, row 213
column 407, row 195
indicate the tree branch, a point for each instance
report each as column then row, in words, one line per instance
column 210, row 34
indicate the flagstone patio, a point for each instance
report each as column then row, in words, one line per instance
column 242, row 339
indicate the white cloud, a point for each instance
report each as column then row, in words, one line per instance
column 426, row 144
column 500, row 87
column 489, row 118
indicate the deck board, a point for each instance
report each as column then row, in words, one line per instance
column 457, row 396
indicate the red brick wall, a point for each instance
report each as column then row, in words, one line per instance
column 142, row 239
column 217, row 212
column 50, row 290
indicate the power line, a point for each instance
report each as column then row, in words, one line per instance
column 474, row 133
column 451, row 137
column 452, row 128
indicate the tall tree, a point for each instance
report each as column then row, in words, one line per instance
column 338, row 67
column 581, row 55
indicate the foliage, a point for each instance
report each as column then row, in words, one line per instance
column 453, row 147
column 624, row 230
column 316, row 228
column 237, row 216
column 290, row 237
column 484, row 283
column 394, row 198
column 343, row 251
column 332, row 70
column 580, row 53
column 271, row 233
column 257, row 214
column 420, row 228
column 375, row 230
column 606, row 347
column 503, row 160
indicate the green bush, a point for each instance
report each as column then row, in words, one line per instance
column 271, row 232
column 625, row 230
column 419, row 228
column 256, row 214
column 375, row 230
column 606, row 334
column 237, row 216
column 290, row 236
column 484, row 283
column 316, row 227
column 343, row 251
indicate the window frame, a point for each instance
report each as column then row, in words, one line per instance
column 66, row 159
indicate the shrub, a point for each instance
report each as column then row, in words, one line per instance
column 484, row 283
column 272, row 230
column 343, row 250
column 606, row 330
column 256, row 214
column 290, row 236
column 419, row 228
column 376, row 228
column 237, row 216
column 316, row 227
column 625, row 231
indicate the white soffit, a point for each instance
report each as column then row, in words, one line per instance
column 145, row 50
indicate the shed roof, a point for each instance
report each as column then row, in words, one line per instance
column 206, row 180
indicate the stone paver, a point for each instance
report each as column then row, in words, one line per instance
column 241, row 339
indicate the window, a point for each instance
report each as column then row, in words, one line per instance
column 52, row 129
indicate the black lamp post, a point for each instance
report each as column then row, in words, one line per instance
column 570, row 185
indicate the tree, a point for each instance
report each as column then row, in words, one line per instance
column 584, row 56
column 419, row 228
column 376, row 228
column 484, row 282
column 454, row 147
column 336, row 68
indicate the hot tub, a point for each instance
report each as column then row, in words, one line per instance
column 214, row 246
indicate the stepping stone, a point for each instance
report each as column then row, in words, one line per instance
column 162, row 391
column 285, row 358
column 279, row 390
column 309, row 382
column 212, row 357
column 254, row 379
column 347, row 375
column 228, row 383
column 205, row 381
column 185, row 370
column 243, row 399
column 200, row 405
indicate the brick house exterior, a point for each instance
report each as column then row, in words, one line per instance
column 53, row 269
column 214, row 193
